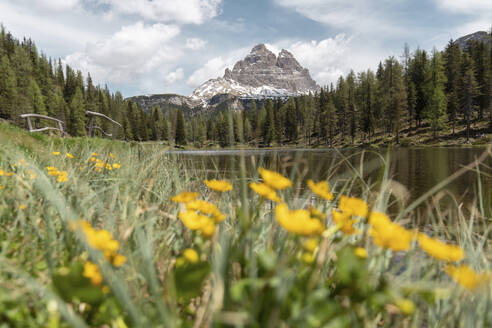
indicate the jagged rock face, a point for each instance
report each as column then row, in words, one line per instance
column 262, row 68
column 261, row 74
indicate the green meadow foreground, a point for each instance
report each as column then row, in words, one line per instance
column 95, row 233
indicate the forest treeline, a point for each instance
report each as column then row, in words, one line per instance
column 438, row 90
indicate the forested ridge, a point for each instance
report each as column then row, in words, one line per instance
column 442, row 94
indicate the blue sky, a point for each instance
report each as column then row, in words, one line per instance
column 165, row 46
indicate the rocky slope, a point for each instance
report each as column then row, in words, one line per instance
column 477, row 36
column 260, row 75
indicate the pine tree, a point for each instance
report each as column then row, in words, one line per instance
column 77, row 114
column 35, row 98
column 180, row 129
column 291, row 120
column 397, row 100
column 8, row 91
column 435, row 110
column 268, row 125
column 469, row 91
column 352, row 109
column 452, row 56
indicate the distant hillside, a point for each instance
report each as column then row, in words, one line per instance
column 480, row 36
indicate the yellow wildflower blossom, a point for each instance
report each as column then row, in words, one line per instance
column 56, row 153
column 344, row 221
column 466, row 276
column 2, row 172
column 406, row 306
column 308, row 258
column 360, row 252
column 70, row 155
column 111, row 155
column 218, row 185
column 321, row 189
column 185, row 197
column 9, row 174
column 387, row 234
column 311, row 244
column 108, row 167
column 206, row 208
column 298, row 221
column 116, row 166
column 94, row 154
column 103, row 241
column 91, row 271
column 92, row 160
column 119, row 260
column 440, row 250
column 353, row 206
column 274, row 180
column 194, row 221
column 190, row 255
column 1, row 187
column 265, row 191
column 62, row 176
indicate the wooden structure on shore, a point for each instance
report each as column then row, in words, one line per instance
column 91, row 127
column 46, row 128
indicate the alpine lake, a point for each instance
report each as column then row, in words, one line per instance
column 412, row 172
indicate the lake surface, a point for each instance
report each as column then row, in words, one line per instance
column 415, row 170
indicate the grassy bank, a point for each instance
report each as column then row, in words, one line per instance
column 95, row 240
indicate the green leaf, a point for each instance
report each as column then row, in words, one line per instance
column 189, row 279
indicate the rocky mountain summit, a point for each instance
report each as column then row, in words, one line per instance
column 480, row 36
column 260, row 74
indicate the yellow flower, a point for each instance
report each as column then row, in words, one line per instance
column 321, row 189
column 185, row 197
column 311, row 244
column 360, row 252
column 344, row 221
column 111, row 155
column 406, row 306
column 69, row 155
column 92, row 159
column 190, row 255
column 298, row 221
column 1, row 187
column 466, row 276
column 22, row 207
column 62, row 176
column 218, row 185
column 2, row 172
column 108, row 167
column 119, row 260
column 265, row 191
column 274, row 179
column 56, row 153
column 194, row 221
column 308, row 258
column 91, row 271
column 99, row 164
column 95, row 154
column 9, row 174
column 389, row 235
column 353, row 206
column 206, row 208
column 116, row 165
column 440, row 250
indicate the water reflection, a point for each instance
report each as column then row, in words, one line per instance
column 417, row 169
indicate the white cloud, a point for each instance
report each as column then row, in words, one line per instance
column 172, row 77
column 53, row 5
column 129, row 53
column 356, row 15
column 183, row 11
column 466, row 6
column 195, row 43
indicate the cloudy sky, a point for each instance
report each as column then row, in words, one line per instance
column 172, row 46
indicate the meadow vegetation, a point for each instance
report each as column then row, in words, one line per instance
column 96, row 233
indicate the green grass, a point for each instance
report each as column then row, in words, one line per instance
column 249, row 274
